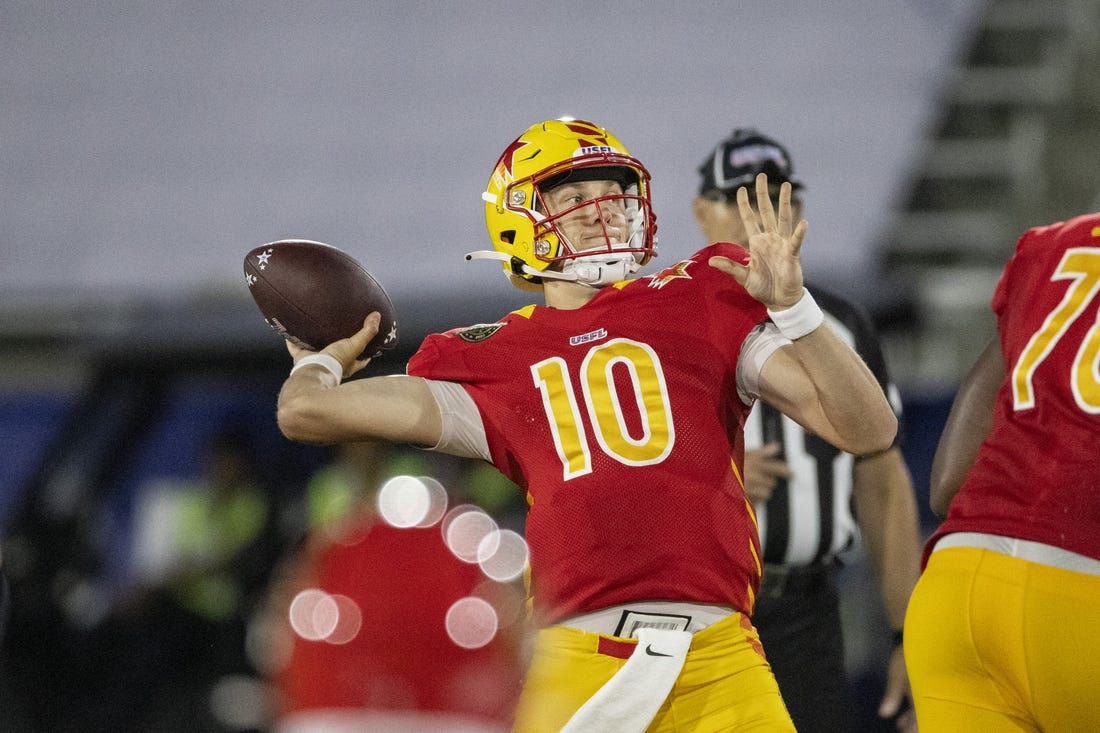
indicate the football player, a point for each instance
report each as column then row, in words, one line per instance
column 618, row 405
column 1000, row 633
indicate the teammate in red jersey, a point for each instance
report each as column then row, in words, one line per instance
column 619, row 406
column 1001, row 629
column 401, row 671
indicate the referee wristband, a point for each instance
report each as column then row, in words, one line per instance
column 800, row 319
column 332, row 366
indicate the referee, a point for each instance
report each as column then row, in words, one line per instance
column 811, row 499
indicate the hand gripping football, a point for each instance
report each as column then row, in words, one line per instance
column 314, row 294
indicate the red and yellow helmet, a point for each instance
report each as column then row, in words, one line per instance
column 546, row 155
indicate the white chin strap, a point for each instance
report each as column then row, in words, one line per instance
column 601, row 269
column 594, row 270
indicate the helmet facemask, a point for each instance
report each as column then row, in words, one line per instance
column 534, row 244
column 622, row 252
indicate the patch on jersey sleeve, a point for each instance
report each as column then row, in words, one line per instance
column 675, row 272
column 480, row 332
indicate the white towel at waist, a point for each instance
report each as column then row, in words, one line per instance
column 630, row 699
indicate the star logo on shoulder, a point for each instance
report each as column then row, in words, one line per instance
column 675, row 272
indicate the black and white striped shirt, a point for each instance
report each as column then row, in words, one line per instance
column 809, row 517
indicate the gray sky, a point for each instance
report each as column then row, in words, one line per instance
column 146, row 146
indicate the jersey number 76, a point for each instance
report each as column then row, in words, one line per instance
column 1081, row 265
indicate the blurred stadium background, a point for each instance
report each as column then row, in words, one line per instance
column 145, row 147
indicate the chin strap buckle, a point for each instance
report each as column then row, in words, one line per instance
column 519, row 268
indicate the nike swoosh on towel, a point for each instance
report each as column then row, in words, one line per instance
column 650, row 652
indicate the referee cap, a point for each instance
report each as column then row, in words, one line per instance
column 737, row 160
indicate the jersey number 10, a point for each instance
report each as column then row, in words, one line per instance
column 602, row 399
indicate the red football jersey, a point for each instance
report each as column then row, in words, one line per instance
column 622, row 422
column 402, row 657
column 1037, row 476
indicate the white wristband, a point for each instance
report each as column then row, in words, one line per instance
column 330, row 363
column 800, row 319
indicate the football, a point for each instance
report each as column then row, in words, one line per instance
column 313, row 294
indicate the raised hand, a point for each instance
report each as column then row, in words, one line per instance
column 773, row 274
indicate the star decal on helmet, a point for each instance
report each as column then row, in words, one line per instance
column 508, row 156
column 675, row 272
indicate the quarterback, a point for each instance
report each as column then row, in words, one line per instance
column 618, row 406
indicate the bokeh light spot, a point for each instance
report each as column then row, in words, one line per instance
column 437, row 502
column 464, row 528
column 404, row 501
column 471, row 622
column 502, row 555
column 326, row 614
column 509, row 600
column 349, row 620
column 319, row 616
column 302, row 617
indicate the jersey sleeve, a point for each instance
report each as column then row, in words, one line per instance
column 761, row 343
column 463, row 432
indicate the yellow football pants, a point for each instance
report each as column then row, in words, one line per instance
column 725, row 685
column 995, row 643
